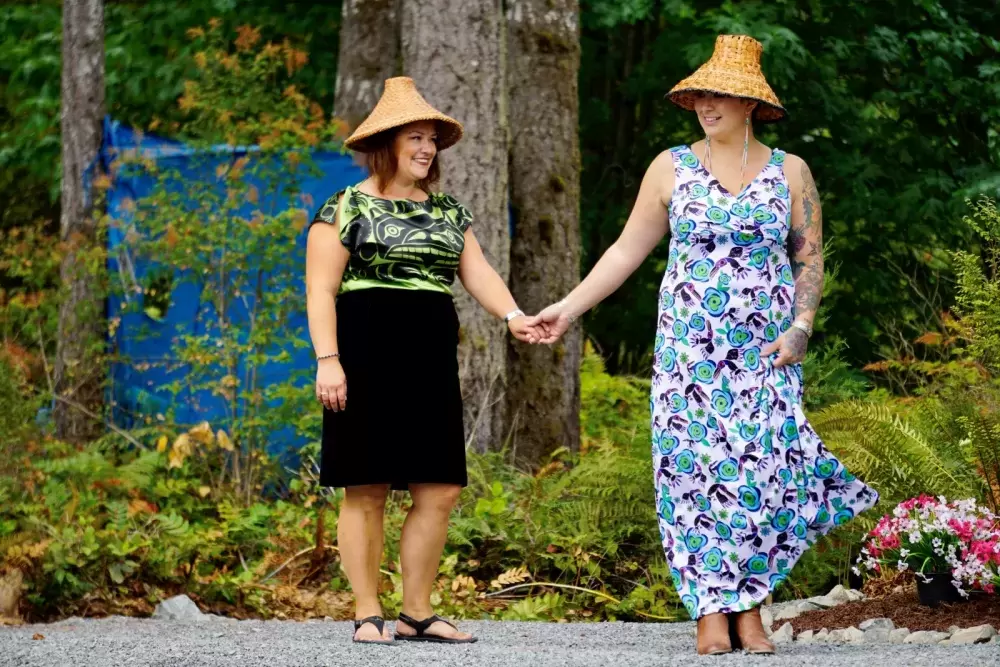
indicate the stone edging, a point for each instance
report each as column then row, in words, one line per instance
column 872, row 631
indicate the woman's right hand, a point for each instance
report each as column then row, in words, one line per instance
column 331, row 384
column 553, row 322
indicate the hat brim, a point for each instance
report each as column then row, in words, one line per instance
column 766, row 112
column 368, row 139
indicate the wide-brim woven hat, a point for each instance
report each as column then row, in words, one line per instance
column 734, row 70
column 400, row 105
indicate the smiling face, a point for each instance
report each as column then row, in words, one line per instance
column 415, row 147
column 720, row 115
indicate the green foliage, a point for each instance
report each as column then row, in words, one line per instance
column 577, row 540
column 946, row 440
column 584, row 521
column 121, row 528
column 979, row 286
column 828, row 378
column 29, row 298
column 147, row 63
column 231, row 241
column 92, row 525
column 893, row 104
column 18, row 413
column 893, row 455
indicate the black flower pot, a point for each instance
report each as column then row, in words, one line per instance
column 937, row 589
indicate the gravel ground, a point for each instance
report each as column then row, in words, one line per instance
column 119, row 642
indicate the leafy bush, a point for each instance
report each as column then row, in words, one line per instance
column 108, row 528
column 946, row 438
column 227, row 232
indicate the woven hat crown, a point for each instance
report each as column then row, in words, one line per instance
column 733, row 70
column 400, row 105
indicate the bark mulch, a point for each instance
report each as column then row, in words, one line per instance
column 905, row 611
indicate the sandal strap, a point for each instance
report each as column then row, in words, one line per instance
column 377, row 621
column 421, row 626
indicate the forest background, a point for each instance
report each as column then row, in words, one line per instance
column 895, row 105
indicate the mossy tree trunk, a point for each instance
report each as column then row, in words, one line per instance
column 368, row 55
column 77, row 376
column 543, row 382
column 453, row 49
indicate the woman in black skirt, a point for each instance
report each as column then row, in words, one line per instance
column 379, row 269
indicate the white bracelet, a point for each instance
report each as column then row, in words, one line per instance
column 512, row 314
column 804, row 328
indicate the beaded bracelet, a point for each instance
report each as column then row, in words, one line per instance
column 328, row 356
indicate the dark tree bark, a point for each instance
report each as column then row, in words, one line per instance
column 81, row 315
column 453, row 51
column 543, row 382
column 369, row 54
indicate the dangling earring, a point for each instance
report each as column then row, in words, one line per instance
column 746, row 149
column 708, row 153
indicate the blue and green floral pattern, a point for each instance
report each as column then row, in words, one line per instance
column 743, row 484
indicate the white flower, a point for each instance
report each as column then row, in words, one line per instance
column 903, row 553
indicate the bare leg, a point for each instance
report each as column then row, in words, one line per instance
column 360, row 540
column 424, row 534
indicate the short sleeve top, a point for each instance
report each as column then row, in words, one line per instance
column 398, row 243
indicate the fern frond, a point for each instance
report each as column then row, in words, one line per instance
column 892, row 455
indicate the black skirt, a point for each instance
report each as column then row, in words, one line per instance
column 403, row 422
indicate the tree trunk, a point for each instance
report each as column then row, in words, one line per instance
column 81, row 315
column 369, row 54
column 543, row 382
column 453, row 50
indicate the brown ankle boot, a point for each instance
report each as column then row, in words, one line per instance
column 751, row 632
column 713, row 635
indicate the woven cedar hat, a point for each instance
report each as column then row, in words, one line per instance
column 399, row 105
column 734, row 70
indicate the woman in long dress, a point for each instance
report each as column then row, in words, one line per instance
column 743, row 484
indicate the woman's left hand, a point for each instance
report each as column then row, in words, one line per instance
column 524, row 333
column 791, row 347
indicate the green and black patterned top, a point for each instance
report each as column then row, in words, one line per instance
column 399, row 243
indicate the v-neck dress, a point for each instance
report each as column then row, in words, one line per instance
column 743, row 484
column 397, row 332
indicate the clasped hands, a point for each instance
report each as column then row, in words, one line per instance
column 545, row 327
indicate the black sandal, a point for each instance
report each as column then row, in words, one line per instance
column 379, row 624
column 421, row 628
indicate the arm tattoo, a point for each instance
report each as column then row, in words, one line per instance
column 806, row 243
column 796, row 345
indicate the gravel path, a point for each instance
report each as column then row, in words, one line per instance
column 120, row 642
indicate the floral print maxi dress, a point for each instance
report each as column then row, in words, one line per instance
column 743, row 484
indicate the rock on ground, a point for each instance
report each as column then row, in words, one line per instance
column 877, row 624
column 926, row 637
column 977, row 635
column 898, row 635
column 854, row 636
column 783, row 635
column 179, row 608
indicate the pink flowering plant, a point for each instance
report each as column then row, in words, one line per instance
column 933, row 535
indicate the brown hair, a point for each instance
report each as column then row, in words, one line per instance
column 382, row 165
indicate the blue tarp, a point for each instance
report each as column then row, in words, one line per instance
column 146, row 342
